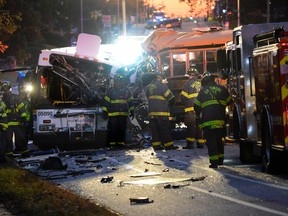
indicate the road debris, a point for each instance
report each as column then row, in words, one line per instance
column 89, row 160
column 53, row 163
column 144, row 174
column 169, row 186
column 140, row 200
column 107, row 179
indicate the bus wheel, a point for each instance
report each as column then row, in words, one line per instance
column 269, row 161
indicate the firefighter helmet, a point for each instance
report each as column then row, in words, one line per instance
column 207, row 79
column 192, row 71
column 6, row 86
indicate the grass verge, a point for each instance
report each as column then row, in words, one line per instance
column 23, row 193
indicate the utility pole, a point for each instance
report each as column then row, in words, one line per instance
column 268, row 11
column 81, row 15
column 137, row 15
column 118, row 16
column 124, row 17
column 238, row 13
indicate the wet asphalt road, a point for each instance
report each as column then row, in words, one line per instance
column 108, row 179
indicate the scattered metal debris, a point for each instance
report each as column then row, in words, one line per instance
column 140, row 200
column 201, row 178
column 166, row 170
column 89, row 160
column 145, row 174
column 161, row 180
column 169, row 186
column 152, row 163
column 107, row 179
column 53, row 163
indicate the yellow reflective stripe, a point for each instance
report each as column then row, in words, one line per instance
column 190, row 139
column 130, row 99
column 185, row 94
column 189, row 109
column 167, row 93
column 212, row 102
column 228, row 99
column 214, row 157
column 168, row 144
column 201, row 140
column 118, row 101
column 193, row 95
column 156, row 97
column 104, row 109
column 156, row 143
column 214, row 124
column 13, row 123
column 20, row 105
column 118, row 114
column 220, row 155
column 159, row 114
column 107, row 98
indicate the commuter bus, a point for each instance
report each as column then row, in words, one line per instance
column 176, row 51
column 68, row 87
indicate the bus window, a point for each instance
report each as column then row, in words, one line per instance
column 196, row 59
column 179, row 64
column 165, row 64
column 211, row 57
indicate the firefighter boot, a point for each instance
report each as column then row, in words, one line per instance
column 200, row 143
column 190, row 145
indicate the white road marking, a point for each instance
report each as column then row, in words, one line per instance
column 223, row 196
column 239, row 201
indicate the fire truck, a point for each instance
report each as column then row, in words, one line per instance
column 255, row 64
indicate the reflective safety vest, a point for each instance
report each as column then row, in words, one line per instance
column 158, row 95
column 211, row 103
column 118, row 102
column 189, row 93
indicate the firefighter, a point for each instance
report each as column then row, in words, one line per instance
column 14, row 111
column 210, row 106
column 24, row 97
column 159, row 99
column 3, row 128
column 187, row 97
column 118, row 105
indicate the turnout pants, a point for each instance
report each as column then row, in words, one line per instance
column 2, row 146
column 215, row 145
column 117, row 130
column 161, row 131
column 193, row 132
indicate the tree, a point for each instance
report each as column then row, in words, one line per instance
column 8, row 25
column 48, row 24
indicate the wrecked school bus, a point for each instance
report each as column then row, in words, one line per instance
column 68, row 86
column 176, row 51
